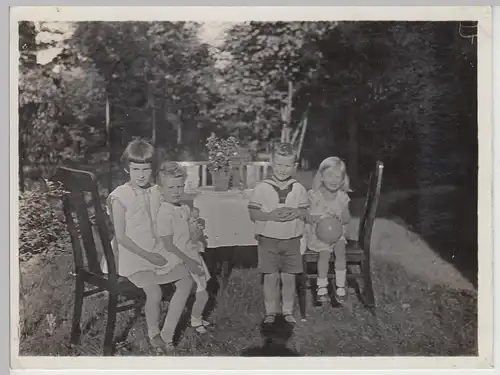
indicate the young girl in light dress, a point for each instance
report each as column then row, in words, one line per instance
column 328, row 196
column 176, row 225
column 141, row 258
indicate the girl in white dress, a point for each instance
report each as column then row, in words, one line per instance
column 140, row 257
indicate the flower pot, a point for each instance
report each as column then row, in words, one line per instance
column 221, row 180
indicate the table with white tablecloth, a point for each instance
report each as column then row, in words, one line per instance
column 227, row 223
column 226, row 217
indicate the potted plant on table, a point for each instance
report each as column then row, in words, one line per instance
column 220, row 152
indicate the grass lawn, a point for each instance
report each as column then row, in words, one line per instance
column 424, row 307
column 414, row 317
column 419, row 312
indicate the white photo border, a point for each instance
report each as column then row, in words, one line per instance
column 483, row 14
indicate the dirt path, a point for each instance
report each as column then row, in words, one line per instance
column 397, row 244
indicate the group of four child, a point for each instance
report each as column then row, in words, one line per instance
column 157, row 236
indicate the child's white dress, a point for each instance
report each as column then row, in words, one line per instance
column 139, row 228
column 174, row 220
column 320, row 206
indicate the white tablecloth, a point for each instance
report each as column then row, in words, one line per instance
column 226, row 217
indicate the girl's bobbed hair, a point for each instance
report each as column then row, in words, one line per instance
column 332, row 162
column 138, row 151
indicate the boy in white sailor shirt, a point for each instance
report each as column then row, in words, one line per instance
column 278, row 208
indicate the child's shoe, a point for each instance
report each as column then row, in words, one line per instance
column 200, row 325
column 341, row 290
column 160, row 346
column 269, row 319
column 341, row 295
column 322, row 294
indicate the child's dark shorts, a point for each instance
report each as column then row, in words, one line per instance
column 278, row 255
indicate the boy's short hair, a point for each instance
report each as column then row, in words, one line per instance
column 284, row 149
column 170, row 169
column 138, row 151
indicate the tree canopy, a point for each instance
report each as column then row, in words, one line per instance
column 401, row 91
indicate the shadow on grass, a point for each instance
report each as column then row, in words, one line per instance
column 275, row 337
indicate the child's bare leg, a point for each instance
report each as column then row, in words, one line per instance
column 288, row 293
column 152, row 309
column 323, row 265
column 197, row 312
column 271, row 293
column 340, row 268
column 199, row 304
column 183, row 288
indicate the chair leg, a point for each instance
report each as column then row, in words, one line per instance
column 313, row 285
column 77, row 312
column 368, row 287
column 227, row 266
column 225, row 273
column 332, row 286
column 110, row 325
column 357, row 281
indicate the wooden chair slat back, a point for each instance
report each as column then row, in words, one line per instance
column 79, row 204
column 73, row 231
column 371, row 206
column 82, row 202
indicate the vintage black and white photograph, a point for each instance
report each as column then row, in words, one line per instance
column 254, row 188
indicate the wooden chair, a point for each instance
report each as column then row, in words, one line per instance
column 80, row 204
column 357, row 252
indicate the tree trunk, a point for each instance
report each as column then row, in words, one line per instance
column 179, row 127
column 303, row 134
column 22, row 156
column 353, row 147
column 108, row 144
column 153, row 127
column 428, row 157
column 287, row 115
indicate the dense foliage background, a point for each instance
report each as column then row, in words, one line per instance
column 404, row 92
